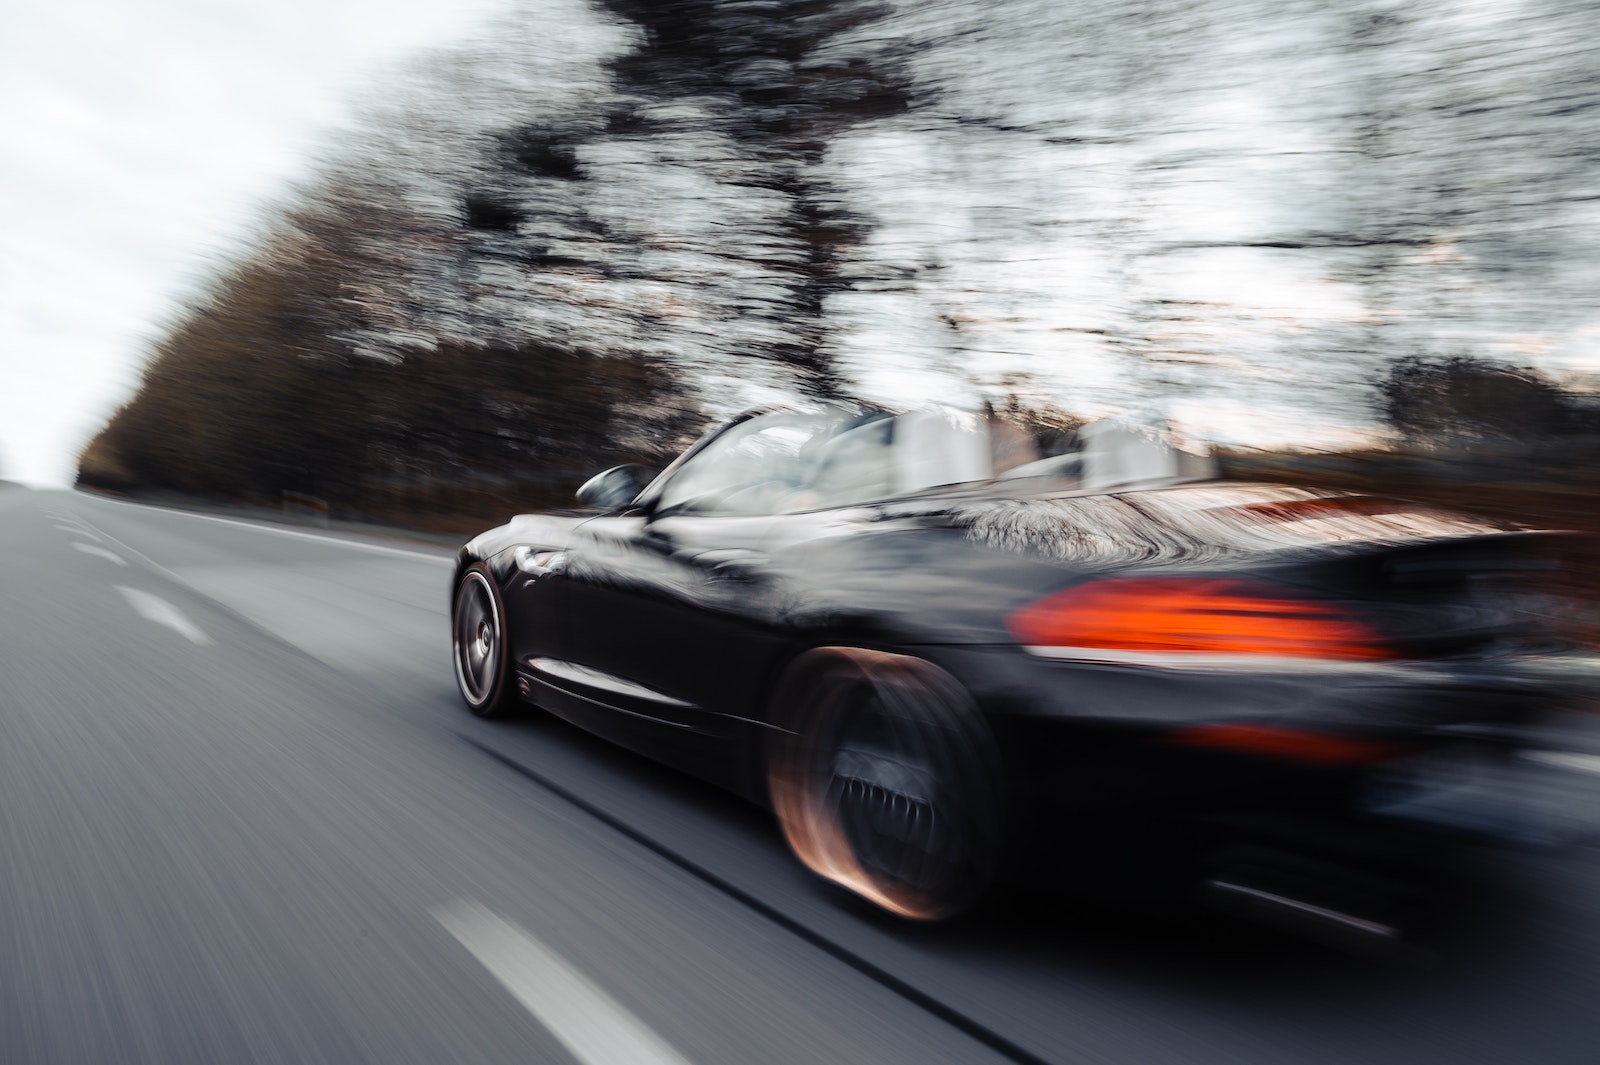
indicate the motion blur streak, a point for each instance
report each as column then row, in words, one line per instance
column 1330, row 253
column 577, row 239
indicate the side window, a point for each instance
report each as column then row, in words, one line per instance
column 854, row 467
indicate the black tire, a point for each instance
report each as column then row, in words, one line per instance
column 478, row 644
column 884, row 777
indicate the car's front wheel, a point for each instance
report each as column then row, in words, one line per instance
column 478, row 644
column 885, row 780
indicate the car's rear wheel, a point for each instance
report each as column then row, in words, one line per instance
column 885, row 780
column 478, row 644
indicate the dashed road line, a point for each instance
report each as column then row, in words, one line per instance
column 590, row 1023
column 141, row 558
column 100, row 552
column 156, row 609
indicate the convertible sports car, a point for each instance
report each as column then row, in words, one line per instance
column 946, row 659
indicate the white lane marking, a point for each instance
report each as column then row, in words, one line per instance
column 1588, row 763
column 156, row 609
column 589, row 1022
column 143, row 559
column 337, row 541
column 99, row 552
column 76, row 530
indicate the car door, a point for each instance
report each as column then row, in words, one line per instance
column 670, row 606
column 667, row 611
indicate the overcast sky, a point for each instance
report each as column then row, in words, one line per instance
column 140, row 140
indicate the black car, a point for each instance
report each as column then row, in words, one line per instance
column 945, row 659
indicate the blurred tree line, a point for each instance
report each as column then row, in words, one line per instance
column 1460, row 404
column 1478, row 436
column 545, row 255
column 262, row 389
column 577, row 239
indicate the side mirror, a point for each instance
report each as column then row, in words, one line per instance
column 615, row 488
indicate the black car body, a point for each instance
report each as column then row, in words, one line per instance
column 1159, row 686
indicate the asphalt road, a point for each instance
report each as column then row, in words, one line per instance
column 243, row 818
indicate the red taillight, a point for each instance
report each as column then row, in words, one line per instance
column 1200, row 616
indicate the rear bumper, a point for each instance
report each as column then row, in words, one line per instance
column 1105, row 796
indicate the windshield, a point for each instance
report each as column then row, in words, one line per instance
column 832, row 456
column 787, row 461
